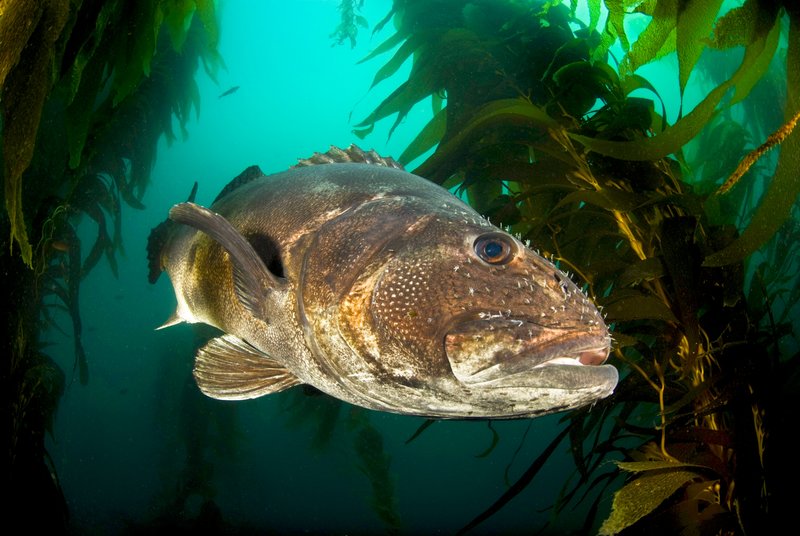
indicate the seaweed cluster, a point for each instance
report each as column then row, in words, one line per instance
column 88, row 88
column 350, row 22
column 541, row 128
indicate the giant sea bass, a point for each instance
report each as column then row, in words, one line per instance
column 381, row 289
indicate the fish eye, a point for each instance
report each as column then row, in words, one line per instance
column 494, row 248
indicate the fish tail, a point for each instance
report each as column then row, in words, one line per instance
column 155, row 243
column 158, row 238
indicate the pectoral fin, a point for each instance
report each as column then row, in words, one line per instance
column 252, row 280
column 228, row 368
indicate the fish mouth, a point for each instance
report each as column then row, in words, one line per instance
column 520, row 353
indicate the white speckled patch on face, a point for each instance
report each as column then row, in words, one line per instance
column 445, row 301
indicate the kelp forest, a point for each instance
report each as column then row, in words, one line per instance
column 681, row 223
column 88, row 88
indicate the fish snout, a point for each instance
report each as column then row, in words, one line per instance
column 494, row 349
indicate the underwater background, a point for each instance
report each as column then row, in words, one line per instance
column 708, row 351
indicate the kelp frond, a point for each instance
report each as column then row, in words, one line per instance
column 107, row 79
column 752, row 157
column 350, row 22
column 539, row 129
column 93, row 59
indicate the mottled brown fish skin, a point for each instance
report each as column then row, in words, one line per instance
column 382, row 296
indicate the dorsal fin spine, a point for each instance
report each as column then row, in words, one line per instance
column 351, row 155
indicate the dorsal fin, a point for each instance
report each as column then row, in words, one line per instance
column 250, row 174
column 352, row 154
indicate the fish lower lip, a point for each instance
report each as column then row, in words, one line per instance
column 559, row 373
column 584, row 364
column 591, row 358
column 596, row 356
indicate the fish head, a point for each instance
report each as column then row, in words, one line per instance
column 488, row 326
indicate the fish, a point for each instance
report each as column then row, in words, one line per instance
column 229, row 91
column 349, row 274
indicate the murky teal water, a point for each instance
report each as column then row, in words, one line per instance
column 140, row 449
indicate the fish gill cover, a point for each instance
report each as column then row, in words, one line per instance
column 546, row 119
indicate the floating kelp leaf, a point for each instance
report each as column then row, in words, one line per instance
column 543, row 175
column 655, row 465
column 578, row 85
column 773, row 210
column 46, row 381
column 673, row 138
column 425, row 76
column 771, row 28
column 774, row 139
column 208, row 51
column 642, row 496
column 504, row 210
column 682, row 260
column 427, row 138
column 418, row 86
column 437, row 103
column 574, row 51
column 622, row 340
column 207, row 15
column 657, row 39
column 349, row 23
column 135, row 48
column 422, row 427
column 577, row 438
column 94, row 198
column 385, row 20
column 311, row 408
column 362, row 133
column 519, row 485
column 516, row 112
column 27, row 75
column 18, row 21
column 777, row 202
column 695, row 21
column 729, row 140
column 633, row 82
column 594, row 8
column 91, row 37
column 194, row 95
column 737, row 26
column 495, row 440
column 644, row 270
column 481, row 195
column 635, row 115
column 409, row 47
column 607, row 198
column 637, row 307
column 386, row 46
column 374, row 462
column 63, row 277
column 79, row 111
column 177, row 18
column 615, row 24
